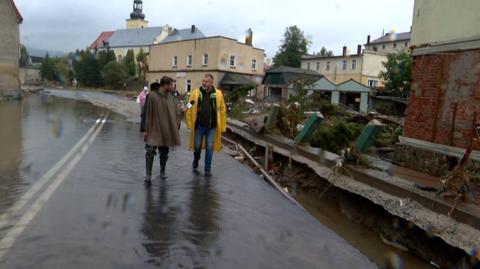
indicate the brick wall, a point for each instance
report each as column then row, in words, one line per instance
column 440, row 81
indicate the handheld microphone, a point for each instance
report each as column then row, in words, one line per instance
column 190, row 105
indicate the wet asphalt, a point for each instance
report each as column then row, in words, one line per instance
column 102, row 216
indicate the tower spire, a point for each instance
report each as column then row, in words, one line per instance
column 137, row 13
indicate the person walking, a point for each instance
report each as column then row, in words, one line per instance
column 142, row 97
column 159, row 124
column 207, row 120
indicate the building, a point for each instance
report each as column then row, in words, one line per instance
column 350, row 94
column 278, row 81
column 10, row 19
column 445, row 100
column 101, row 41
column 138, row 36
column 389, row 43
column 137, row 18
column 364, row 66
column 187, row 60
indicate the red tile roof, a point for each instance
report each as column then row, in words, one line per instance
column 103, row 37
column 19, row 16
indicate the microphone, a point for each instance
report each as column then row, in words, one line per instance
column 190, row 105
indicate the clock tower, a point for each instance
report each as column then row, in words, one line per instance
column 137, row 18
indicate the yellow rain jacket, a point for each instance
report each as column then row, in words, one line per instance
column 191, row 118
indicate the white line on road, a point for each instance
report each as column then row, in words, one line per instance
column 7, row 242
column 15, row 209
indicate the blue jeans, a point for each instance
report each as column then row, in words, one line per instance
column 209, row 134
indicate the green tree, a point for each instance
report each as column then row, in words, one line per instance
column 87, row 68
column 24, row 56
column 115, row 75
column 294, row 46
column 398, row 74
column 104, row 57
column 142, row 62
column 324, row 52
column 61, row 70
column 130, row 63
column 47, row 69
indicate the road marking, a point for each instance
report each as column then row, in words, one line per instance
column 7, row 242
column 15, row 209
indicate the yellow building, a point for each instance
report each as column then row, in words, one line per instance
column 232, row 63
column 363, row 67
column 10, row 19
column 445, row 21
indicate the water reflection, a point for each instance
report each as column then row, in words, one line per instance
column 11, row 151
column 159, row 225
column 171, row 240
column 203, row 224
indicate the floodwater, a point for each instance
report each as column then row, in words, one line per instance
column 335, row 216
column 71, row 196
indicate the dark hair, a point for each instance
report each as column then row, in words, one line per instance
column 210, row 76
column 154, row 86
column 166, row 81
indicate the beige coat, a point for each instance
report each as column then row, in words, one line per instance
column 161, row 119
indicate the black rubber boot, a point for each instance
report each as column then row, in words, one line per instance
column 163, row 164
column 148, row 167
column 163, row 152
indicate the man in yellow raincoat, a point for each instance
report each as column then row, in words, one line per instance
column 207, row 120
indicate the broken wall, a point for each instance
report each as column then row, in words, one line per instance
column 445, row 98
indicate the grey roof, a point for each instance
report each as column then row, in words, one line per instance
column 392, row 37
column 285, row 75
column 295, row 70
column 183, row 34
column 135, row 37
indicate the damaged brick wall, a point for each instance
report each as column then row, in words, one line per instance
column 445, row 98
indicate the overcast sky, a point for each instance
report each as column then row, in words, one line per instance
column 70, row 24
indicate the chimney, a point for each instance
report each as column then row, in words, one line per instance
column 249, row 37
column 193, row 28
column 344, row 53
column 368, row 40
column 359, row 49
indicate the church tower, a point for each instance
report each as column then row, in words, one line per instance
column 137, row 18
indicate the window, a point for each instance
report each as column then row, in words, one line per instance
column 254, row 64
column 188, row 86
column 328, row 66
column 383, row 46
column 354, row 64
column 205, row 60
column 406, row 44
column 375, row 48
column 232, row 61
column 372, row 83
column 318, row 66
column 308, row 66
column 174, row 61
column 344, row 65
column 395, row 45
column 189, row 60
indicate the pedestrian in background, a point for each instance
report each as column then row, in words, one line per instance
column 159, row 123
column 207, row 120
column 142, row 97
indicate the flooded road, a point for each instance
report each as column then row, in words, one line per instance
column 71, row 196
